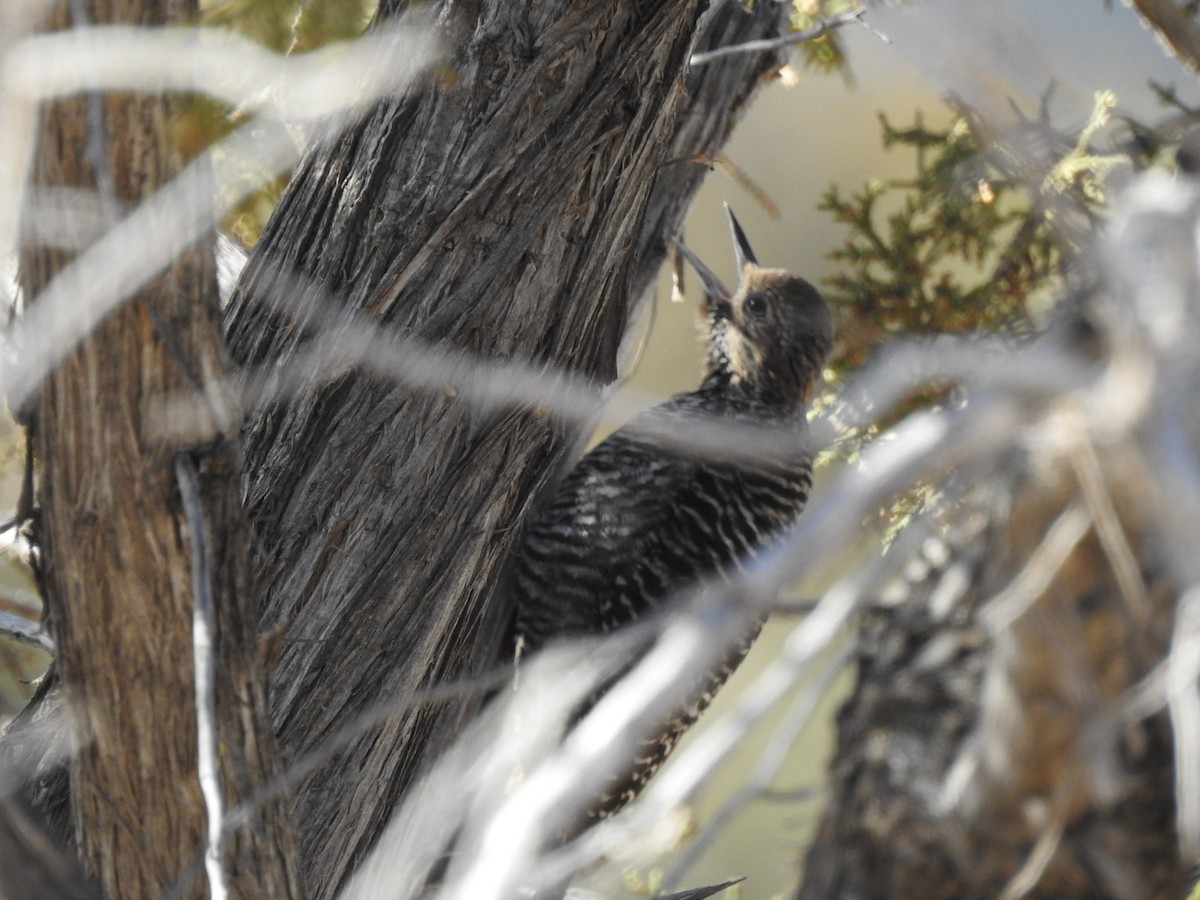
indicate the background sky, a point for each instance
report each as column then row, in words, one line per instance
column 796, row 142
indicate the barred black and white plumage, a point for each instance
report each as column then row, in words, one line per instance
column 639, row 519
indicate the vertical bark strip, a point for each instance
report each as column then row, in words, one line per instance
column 116, row 539
column 500, row 212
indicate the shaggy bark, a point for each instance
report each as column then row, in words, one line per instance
column 1006, row 734
column 969, row 760
column 117, row 541
column 516, row 209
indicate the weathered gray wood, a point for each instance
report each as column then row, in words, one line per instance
column 973, row 762
column 509, row 210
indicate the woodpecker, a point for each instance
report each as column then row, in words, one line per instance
column 640, row 518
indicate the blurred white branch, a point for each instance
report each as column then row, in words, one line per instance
column 559, row 790
column 1038, row 573
column 474, row 778
column 515, row 847
column 790, row 39
column 25, row 630
column 343, row 339
column 204, row 627
column 807, row 697
column 287, row 89
column 211, row 61
column 1184, row 704
column 221, row 64
column 127, row 257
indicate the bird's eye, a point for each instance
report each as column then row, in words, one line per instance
column 755, row 305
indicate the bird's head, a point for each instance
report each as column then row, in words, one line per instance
column 772, row 335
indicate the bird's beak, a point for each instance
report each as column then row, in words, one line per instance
column 741, row 246
column 712, row 284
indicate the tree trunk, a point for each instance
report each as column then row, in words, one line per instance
column 1008, row 734
column 518, row 208
column 1004, row 764
column 121, row 551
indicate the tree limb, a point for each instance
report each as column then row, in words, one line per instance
column 520, row 209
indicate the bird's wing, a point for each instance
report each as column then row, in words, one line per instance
column 639, row 518
column 597, row 548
